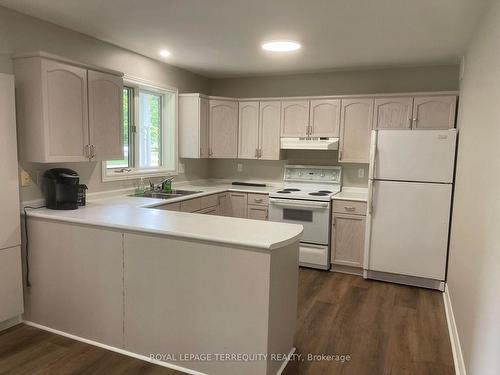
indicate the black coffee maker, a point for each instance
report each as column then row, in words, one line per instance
column 61, row 188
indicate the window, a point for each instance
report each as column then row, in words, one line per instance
column 149, row 133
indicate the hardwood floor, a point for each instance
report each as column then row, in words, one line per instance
column 384, row 329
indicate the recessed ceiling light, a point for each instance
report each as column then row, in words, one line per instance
column 164, row 53
column 281, row 46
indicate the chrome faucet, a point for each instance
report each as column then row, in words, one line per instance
column 153, row 186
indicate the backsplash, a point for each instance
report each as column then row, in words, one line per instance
column 268, row 170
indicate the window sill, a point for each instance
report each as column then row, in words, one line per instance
column 110, row 175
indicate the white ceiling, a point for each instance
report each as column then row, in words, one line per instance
column 220, row 38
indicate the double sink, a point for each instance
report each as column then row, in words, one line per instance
column 161, row 195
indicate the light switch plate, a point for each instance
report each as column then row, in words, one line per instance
column 181, row 167
column 239, row 167
column 361, row 172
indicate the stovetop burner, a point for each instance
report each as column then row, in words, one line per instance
column 319, row 194
column 284, row 192
column 325, row 191
column 291, row 189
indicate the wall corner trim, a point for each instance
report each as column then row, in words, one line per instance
column 458, row 358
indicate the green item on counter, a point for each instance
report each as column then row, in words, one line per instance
column 167, row 186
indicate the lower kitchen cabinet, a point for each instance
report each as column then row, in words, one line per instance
column 257, row 212
column 11, row 286
column 237, row 205
column 222, row 204
column 348, row 239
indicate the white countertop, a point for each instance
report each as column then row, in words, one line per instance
column 135, row 214
column 352, row 194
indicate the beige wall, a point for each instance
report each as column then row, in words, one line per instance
column 433, row 78
column 474, row 264
column 21, row 33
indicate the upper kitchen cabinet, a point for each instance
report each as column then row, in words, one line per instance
column 193, row 126
column 66, row 111
column 105, row 96
column 248, row 145
column 269, row 130
column 393, row 113
column 355, row 126
column 294, row 118
column 223, row 133
column 259, row 130
column 434, row 112
column 324, row 118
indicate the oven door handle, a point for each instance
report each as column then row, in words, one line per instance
column 298, row 204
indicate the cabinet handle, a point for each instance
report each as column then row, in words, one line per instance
column 258, row 200
column 92, row 151
column 260, row 152
column 256, row 152
column 350, row 208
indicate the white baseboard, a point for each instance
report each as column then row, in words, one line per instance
column 6, row 324
column 458, row 358
column 283, row 365
column 114, row 349
column 131, row 354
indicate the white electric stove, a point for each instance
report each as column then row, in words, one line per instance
column 306, row 199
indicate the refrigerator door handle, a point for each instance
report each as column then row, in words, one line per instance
column 373, row 152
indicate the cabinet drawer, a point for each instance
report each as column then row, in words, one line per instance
column 191, row 205
column 208, row 211
column 209, row 201
column 349, row 207
column 170, row 207
column 258, row 199
column 257, row 212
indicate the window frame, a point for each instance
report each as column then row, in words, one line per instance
column 169, row 130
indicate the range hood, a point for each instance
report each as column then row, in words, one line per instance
column 310, row 143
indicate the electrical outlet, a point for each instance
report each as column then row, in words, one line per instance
column 239, row 167
column 361, row 172
column 181, row 168
column 25, row 178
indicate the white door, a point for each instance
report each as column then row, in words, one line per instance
column 393, row 113
column 415, row 156
column 269, row 131
column 10, row 234
column 248, row 133
column 105, row 115
column 434, row 112
column 409, row 228
column 223, row 129
column 66, row 111
column 325, row 117
column 294, row 118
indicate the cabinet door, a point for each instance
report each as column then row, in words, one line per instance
column 355, row 127
column 248, row 130
column 223, row 129
column 348, row 240
column 65, row 111
column 204, row 132
column 11, row 287
column 392, row 113
column 237, row 205
column 294, row 118
column 222, row 204
column 257, row 212
column 325, row 118
column 269, row 132
column 105, row 115
column 434, row 112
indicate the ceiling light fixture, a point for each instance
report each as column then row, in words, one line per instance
column 281, row 46
column 164, row 53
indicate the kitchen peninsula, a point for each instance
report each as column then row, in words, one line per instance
column 153, row 282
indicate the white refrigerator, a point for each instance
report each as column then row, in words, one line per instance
column 11, row 294
column 409, row 206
